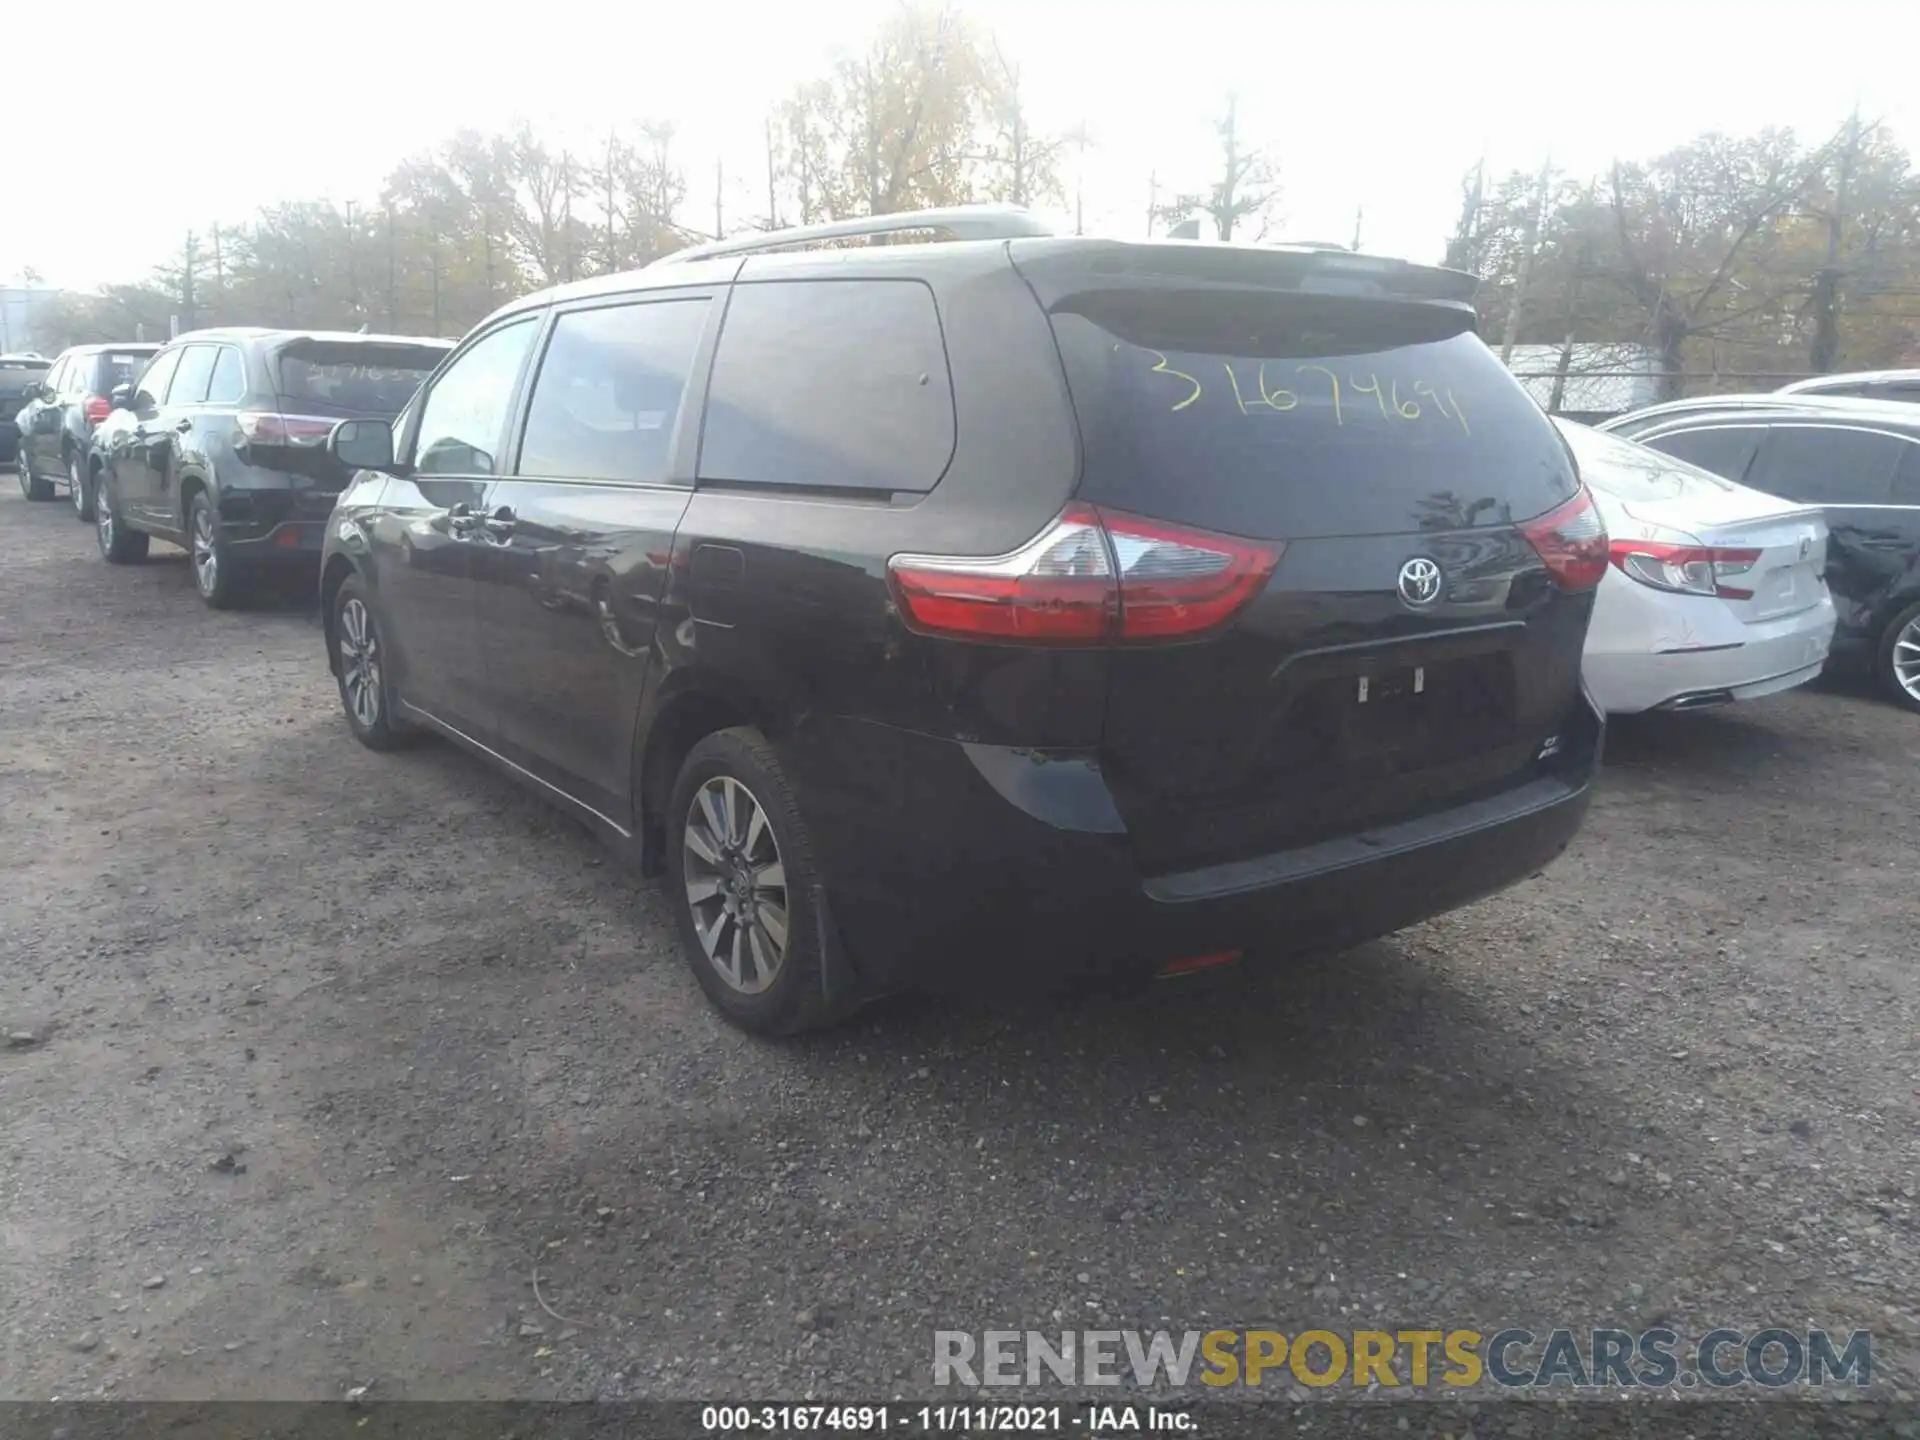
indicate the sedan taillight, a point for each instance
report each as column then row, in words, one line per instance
column 1091, row 576
column 1683, row 569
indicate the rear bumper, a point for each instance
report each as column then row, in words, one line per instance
column 1736, row 662
column 290, row 542
column 1001, row 902
column 278, row 519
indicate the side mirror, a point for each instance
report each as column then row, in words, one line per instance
column 362, row 444
column 121, row 398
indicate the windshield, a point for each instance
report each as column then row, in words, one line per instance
column 365, row 377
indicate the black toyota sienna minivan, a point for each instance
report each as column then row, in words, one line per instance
column 992, row 612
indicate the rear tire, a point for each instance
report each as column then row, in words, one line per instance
column 362, row 672
column 743, row 878
column 1897, row 666
column 31, row 485
column 120, row 545
column 80, row 486
column 216, row 576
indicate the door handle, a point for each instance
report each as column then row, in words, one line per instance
column 501, row 522
column 460, row 519
column 183, row 426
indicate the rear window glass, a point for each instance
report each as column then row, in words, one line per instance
column 1636, row 472
column 17, row 375
column 831, row 384
column 117, row 368
column 365, row 378
column 1302, row 416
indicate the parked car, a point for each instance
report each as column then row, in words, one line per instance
column 1859, row 461
column 220, row 446
column 1901, row 385
column 58, row 422
column 1714, row 592
column 20, row 377
column 1638, row 422
column 998, row 612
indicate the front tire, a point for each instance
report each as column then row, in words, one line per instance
column 743, row 882
column 215, row 575
column 1898, row 667
column 80, row 486
column 361, row 670
column 31, row 485
column 120, row 545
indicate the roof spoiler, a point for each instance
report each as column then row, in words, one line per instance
column 1060, row 267
column 955, row 222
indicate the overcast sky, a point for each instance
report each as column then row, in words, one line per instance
column 1381, row 104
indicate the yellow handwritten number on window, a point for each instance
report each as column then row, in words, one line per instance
column 1163, row 368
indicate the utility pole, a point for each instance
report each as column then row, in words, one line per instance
column 613, row 246
column 1536, row 217
column 773, row 194
column 566, row 214
column 1359, row 214
column 719, row 184
column 393, row 288
column 188, row 259
column 219, row 269
column 353, row 278
column 1153, row 200
column 1825, row 351
column 433, row 265
column 486, row 250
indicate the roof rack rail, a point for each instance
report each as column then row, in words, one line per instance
column 961, row 222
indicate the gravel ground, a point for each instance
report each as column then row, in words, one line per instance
column 315, row 1055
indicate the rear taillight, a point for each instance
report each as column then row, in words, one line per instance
column 1091, row 576
column 1683, row 569
column 97, row 408
column 267, row 427
column 1571, row 541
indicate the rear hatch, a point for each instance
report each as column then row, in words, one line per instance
column 16, row 378
column 319, row 382
column 1345, row 411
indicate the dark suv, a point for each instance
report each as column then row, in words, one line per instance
column 990, row 612
column 220, row 446
column 1860, row 461
column 59, row 420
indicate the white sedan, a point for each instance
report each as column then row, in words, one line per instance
column 1715, row 592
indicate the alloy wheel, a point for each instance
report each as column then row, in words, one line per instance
column 736, row 884
column 103, row 518
column 206, row 554
column 77, row 486
column 1906, row 658
column 360, row 663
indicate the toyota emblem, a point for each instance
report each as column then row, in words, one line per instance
column 1420, row 582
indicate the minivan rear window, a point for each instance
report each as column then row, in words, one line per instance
column 359, row 377
column 1302, row 416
